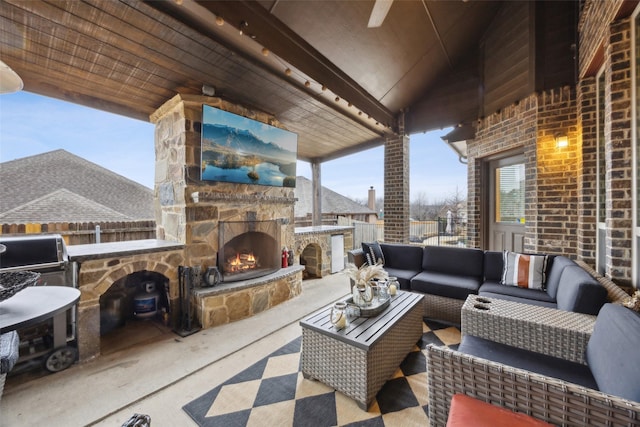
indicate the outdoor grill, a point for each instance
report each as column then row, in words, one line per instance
column 45, row 254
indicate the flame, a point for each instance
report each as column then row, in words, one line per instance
column 242, row 262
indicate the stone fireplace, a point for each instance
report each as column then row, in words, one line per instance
column 239, row 228
column 248, row 249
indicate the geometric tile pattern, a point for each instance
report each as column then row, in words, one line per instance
column 273, row 392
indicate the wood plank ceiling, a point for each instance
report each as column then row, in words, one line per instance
column 347, row 85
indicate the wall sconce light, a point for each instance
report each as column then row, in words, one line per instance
column 195, row 196
column 562, row 141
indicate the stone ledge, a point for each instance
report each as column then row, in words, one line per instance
column 323, row 229
column 246, row 284
column 210, row 196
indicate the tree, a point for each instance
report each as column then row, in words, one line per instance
column 418, row 209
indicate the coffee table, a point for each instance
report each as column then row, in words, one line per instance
column 359, row 359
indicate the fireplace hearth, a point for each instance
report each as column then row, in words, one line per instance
column 248, row 249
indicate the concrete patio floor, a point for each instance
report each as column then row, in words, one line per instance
column 159, row 376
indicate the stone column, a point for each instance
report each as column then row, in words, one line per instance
column 174, row 129
column 396, row 186
column 188, row 210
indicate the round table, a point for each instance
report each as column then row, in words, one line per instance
column 36, row 304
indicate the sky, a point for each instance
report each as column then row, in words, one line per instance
column 31, row 124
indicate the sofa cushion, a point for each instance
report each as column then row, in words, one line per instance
column 523, row 359
column 612, row 351
column 404, row 276
column 555, row 267
column 373, row 253
column 454, row 261
column 493, row 266
column 515, row 291
column 445, row 284
column 578, row 291
column 403, row 257
column 524, row 270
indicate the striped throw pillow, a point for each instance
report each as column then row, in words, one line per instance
column 524, row 271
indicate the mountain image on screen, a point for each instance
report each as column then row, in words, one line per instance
column 237, row 155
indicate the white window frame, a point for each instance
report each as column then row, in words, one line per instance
column 601, row 223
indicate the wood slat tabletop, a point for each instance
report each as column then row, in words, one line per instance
column 363, row 332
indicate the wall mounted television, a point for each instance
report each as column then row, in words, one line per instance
column 241, row 150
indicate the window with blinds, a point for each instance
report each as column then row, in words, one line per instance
column 510, row 194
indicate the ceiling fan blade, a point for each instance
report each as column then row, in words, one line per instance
column 379, row 12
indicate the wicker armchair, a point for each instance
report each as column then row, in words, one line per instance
column 548, row 399
column 546, row 331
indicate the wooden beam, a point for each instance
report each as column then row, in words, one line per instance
column 273, row 34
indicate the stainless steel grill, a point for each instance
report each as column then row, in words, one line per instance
column 45, row 254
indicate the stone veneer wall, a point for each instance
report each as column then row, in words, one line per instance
column 97, row 275
column 189, row 210
column 224, row 304
column 315, row 243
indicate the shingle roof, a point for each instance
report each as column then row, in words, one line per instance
column 58, row 186
column 332, row 202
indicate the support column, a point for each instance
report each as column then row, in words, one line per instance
column 316, row 185
column 396, row 186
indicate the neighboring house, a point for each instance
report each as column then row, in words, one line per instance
column 58, row 186
column 334, row 205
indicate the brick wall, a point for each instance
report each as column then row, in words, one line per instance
column 587, row 164
column 605, row 43
column 507, row 131
column 556, row 206
column 530, row 127
column 593, row 30
column 619, row 152
column 396, row 187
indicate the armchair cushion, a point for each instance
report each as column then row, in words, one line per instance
column 612, row 351
column 528, row 360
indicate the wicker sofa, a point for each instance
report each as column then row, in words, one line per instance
column 449, row 274
column 601, row 389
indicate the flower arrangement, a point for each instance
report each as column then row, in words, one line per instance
column 365, row 273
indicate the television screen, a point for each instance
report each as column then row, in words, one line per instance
column 241, row 150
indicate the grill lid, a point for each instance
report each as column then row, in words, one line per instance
column 39, row 250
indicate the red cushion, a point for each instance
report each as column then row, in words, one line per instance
column 466, row 411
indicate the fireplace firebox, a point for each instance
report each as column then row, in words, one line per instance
column 248, row 249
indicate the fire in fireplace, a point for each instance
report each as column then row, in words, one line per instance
column 248, row 249
column 241, row 262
